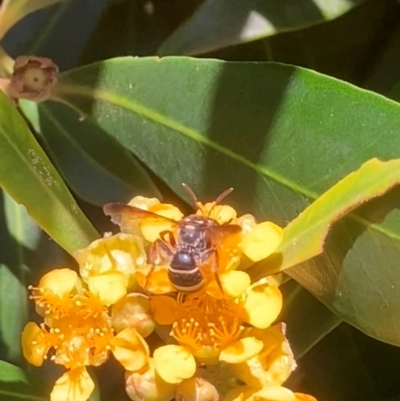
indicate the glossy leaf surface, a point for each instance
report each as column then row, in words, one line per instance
column 221, row 23
column 96, row 167
column 304, row 237
column 307, row 320
column 281, row 136
column 14, row 384
column 19, row 236
column 30, row 179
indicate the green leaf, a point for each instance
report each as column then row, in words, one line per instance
column 336, row 370
column 395, row 92
column 49, row 32
column 14, row 384
column 25, row 254
column 308, row 320
column 349, row 39
column 281, row 136
column 29, row 177
column 94, row 165
column 11, row 11
column 10, row 373
column 384, row 72
column 19, row 234
column 221, row 23
column 129, row 27
column 304, row 237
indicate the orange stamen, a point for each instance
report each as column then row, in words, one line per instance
column 204, row 321
column 53, row 304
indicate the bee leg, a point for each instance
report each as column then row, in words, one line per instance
column 168, row 237
column 212, row 256
column 160, row 252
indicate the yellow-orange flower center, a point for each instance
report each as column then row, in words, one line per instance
column 207, row 325
column 49, row 302
column 76, row 331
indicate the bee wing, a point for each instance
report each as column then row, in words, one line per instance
column 224, row 232
column 129, row 217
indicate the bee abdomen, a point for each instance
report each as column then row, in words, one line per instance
column 184, row 273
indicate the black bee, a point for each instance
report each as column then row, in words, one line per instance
column 192, row 242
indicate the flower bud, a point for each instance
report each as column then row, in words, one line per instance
column 108, row 266
column 133, row 311
column 196, row 389
column 33, row 78
column 247, row 222
column 148, row 385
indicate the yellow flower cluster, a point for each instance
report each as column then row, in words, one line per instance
column 120, row 298
column 85, row 318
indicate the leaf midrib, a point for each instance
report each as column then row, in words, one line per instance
column 156, row 117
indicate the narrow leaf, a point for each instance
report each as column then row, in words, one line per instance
column 304, row 237
column 29, row 177
column 94, row 165
column 14, row 384
column 336, row 370
column 11, row 374
column 308, row 320
column 281, row 136
column 11, row 11
column 221, row 23
column 19, row 234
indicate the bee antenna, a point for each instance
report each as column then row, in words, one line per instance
column 221, row 198
column 191, row 194
column 223, row 195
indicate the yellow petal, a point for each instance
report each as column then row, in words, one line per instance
column 74, row 385
column 222, row 213
column 167, row 210
column 234, row 284
column 148, row 385
column 262, row 241
column 174, row 363
column 109, row 287
column 131, row 226
column 59, row 281
column 263, row 305
column 133, row 311
column 274, row 393
column 268, row 393
column 163, row 309
column 241, row 350
column 143, row 203
column 304, row 397
column 154, row 279
column 151, row 227
column 33, row 348
column 196, row 389
column 238, row 394
column 130, row 349
column 121, row 253
column 273, row 365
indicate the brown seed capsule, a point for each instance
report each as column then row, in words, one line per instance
column 33, row 78
column 196, row 389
